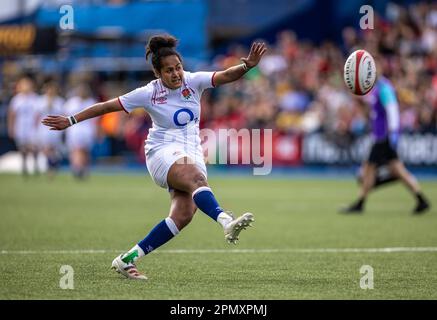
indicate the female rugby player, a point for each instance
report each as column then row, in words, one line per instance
column 173, row 152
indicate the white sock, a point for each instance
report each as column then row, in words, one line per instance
column 132, row 255
column 224, row 218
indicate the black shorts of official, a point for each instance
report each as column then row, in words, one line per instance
column 382, row 153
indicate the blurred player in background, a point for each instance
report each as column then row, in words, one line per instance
column 80, row 138
column 50, row 142
column 383, row 164
column 173, row 151
column 22, row 122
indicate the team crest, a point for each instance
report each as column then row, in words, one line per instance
column 186, row 93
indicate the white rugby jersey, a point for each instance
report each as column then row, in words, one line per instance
column 175, row 113
column 24, row 106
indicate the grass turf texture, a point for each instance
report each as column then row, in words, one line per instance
column 114, row 212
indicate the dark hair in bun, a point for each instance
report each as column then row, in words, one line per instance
column 159, row 47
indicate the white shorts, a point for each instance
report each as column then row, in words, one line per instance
column 159, row 161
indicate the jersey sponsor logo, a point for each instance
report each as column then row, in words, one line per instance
column 161, row 100
column 182, row 114
column 159, row 95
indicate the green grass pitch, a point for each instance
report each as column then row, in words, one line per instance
column 45, row 225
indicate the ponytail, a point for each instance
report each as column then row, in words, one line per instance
column 159, row 47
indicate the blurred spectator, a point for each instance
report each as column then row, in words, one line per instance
column 80, row 137
column 22, row 122
column 50, row 141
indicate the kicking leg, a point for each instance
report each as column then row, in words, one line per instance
column 183, row 175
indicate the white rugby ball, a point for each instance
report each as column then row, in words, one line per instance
column 360, row 72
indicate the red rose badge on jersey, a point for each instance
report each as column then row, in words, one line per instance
column 186, row 93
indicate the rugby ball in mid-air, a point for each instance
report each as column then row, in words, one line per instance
column 360, row 72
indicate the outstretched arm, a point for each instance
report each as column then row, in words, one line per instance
column 98, row 109
column 236, row 72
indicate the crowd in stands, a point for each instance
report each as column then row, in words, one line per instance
column 298, row 87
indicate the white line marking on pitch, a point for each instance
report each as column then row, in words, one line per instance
column 296, row 250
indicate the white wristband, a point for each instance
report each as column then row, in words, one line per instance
column 72, row 120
